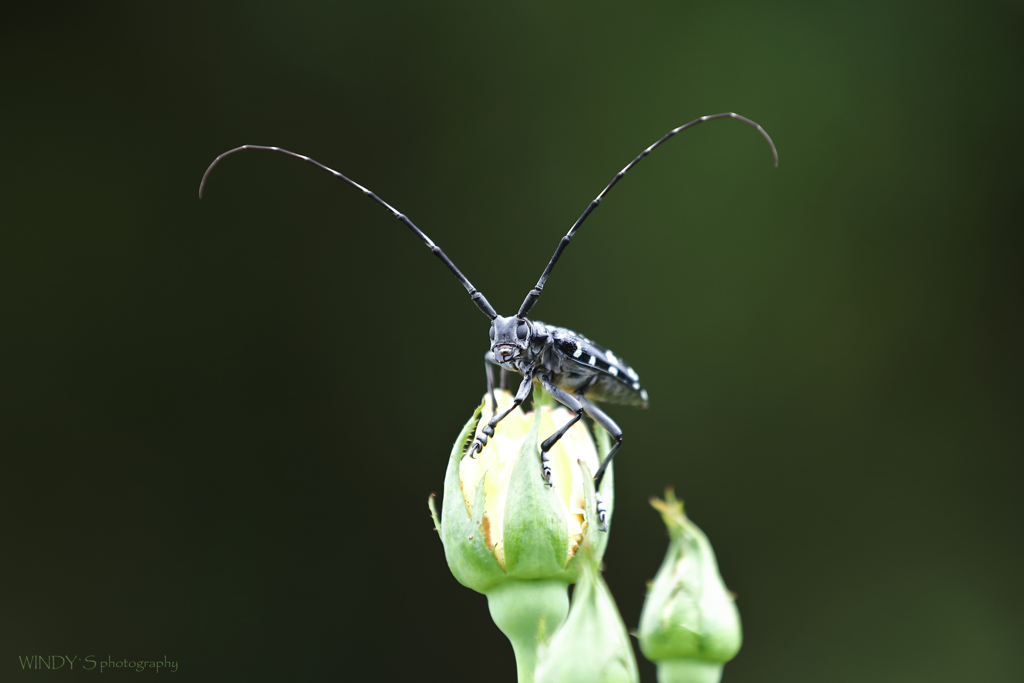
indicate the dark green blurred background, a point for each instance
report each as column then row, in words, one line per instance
column 220, row 420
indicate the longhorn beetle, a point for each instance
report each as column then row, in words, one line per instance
column 570, row 367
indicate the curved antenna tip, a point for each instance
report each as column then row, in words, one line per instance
column 202, row 183
column 775, row 152
column 764, row 134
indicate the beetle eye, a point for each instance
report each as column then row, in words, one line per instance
column 492, row 333
column 521, row 331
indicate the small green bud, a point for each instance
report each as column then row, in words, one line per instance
column 592, row 646
column 689, row 625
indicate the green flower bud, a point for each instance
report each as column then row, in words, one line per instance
column 512, row 535
column 689, row 625
column 592, row 646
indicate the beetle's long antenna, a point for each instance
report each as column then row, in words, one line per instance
column 534, row 294
column 478, row 298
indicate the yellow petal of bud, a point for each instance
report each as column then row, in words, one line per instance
column 495, row 463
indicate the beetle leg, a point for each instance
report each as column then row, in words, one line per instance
column 572, row 403
column 613, row 429
column 524, row 392
column 488, row 362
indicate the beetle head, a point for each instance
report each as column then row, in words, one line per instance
column 510, row 338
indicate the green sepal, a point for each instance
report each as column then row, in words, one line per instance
column 688, row 613
column 433, row 514
column 471, row 562
column 591, row 505
column 535, row 535
column 598, row 538
column 592, row 646
column 595, row 537
column 541, row 398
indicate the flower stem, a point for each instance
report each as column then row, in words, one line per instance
column 689, row 671
column 528, row 613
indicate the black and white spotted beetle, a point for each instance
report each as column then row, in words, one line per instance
column 570, row 367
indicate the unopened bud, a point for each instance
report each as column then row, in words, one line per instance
column 689, row 625
column 512, row 525
column 592, row 646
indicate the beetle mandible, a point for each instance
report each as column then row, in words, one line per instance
column 575, row 371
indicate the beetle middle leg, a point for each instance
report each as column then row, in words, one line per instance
column 571, row 402
column 580, row 404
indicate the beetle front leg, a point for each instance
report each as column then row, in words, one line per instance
column 488, row 431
